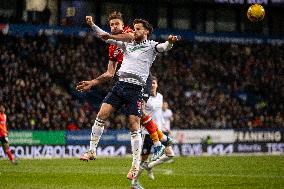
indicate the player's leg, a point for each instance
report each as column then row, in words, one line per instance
column 146, row 150
column 165, row 138
column 7, row 150
column 146, row 119
column 135, row 183
column 136, row 145
column 110, row 103
column 97, row 131
column 169, row 155
column 152, row 129
column 148, row 122
column 133, row 102
column 155, row 132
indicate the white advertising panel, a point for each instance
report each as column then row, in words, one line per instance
column 197, row 136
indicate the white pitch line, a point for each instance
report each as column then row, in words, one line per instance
column 170, row 172
column 233, row 175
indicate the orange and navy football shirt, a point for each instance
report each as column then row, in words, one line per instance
column 114, row 52
column 3, row 125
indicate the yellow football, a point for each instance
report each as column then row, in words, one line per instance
column 255, row 13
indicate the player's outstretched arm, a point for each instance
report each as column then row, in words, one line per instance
column 83, row 86
column 162, row 47
column 124, row 37
column 120, row 44
column 109, row 74
column 97, row 29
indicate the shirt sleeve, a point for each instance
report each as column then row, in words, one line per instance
column 162, row 47
column 170, row 113
column 97, row 29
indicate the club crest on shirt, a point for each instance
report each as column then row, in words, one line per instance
column 136, row 48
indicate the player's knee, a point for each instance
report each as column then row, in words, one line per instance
column 105, row 111
column 103, row 115
column 134, row 123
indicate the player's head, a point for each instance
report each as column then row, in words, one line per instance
column 115, row 22
column 142, row 29
column 165, row 105
column 154, row 85
column 2, row 108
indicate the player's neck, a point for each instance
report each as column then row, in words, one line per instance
column 141, row 40
column 154, row 94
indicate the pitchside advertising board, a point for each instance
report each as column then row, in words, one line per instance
column 74, row 151
column 109, row 137
column 62, row 144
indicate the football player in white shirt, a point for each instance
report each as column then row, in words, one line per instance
column 154, row 108
column 168, row 117
column 127, row 35
column 133, row 73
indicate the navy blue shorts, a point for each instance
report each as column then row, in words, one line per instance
column 4, row 140
column 147, row 89
column 127, row 94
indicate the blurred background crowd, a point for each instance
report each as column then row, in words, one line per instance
column 207, row 85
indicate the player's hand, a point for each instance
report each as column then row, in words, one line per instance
column 173, row 38
column 84, row 86
column 104, row 36
column 89, row 20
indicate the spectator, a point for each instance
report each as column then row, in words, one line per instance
column 207, row 85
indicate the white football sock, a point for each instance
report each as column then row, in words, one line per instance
column 136, row 146
column 158, row 143
column 97, row 131
column 164, row 138
column 135, row 180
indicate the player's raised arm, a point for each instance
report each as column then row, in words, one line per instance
column 120, row 44
column 162, row 47
column 125, row 37
column 96, row 29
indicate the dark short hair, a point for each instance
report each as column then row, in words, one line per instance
column 154, row 78
column 145, row 24
column 115, row 15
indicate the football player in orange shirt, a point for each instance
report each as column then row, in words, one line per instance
column 4, row 134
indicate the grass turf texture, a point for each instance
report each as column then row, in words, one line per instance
column 110, row 173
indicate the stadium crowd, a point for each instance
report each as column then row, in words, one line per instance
column 207, row 85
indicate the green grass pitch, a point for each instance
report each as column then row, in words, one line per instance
column 110, row 173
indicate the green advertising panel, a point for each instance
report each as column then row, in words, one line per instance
column 37, row 137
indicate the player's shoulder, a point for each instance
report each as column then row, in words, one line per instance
column 169, row 111
column 160, row 95
column 152, row 41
